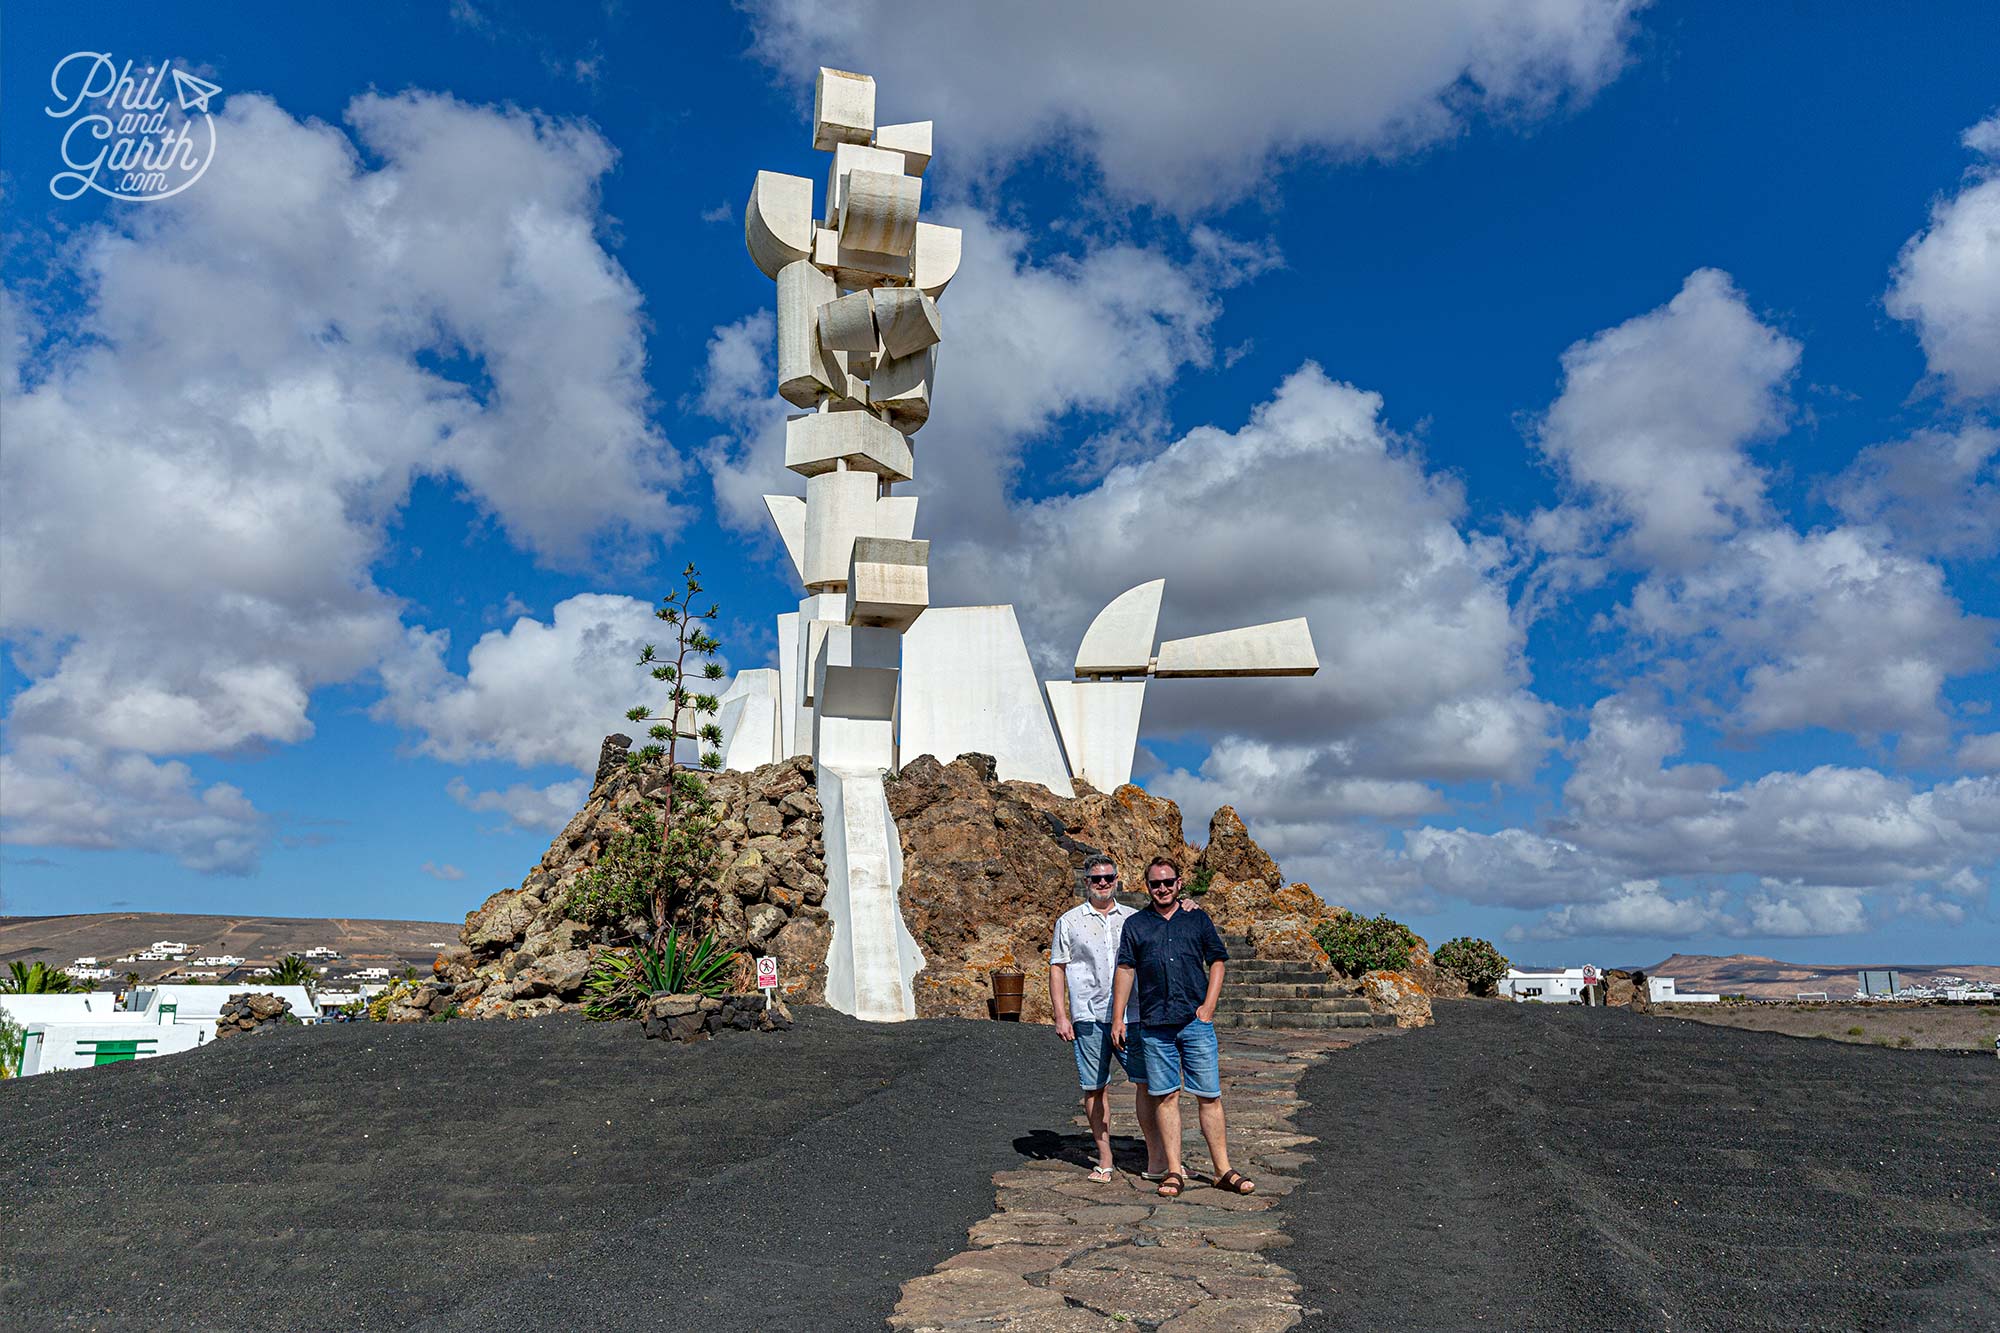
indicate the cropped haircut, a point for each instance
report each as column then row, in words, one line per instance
column 1159, row 861
column 1097, row 861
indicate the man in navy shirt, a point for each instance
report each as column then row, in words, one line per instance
column 1169, row 979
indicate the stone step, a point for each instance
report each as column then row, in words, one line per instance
column 1279, row 990
column 1296, row 1022
column 1329, row 1004
column 1264, row 972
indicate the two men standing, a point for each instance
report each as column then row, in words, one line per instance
column 1141, row 987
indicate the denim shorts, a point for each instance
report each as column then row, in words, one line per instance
column 1182, row 1057
column 1094, row 1052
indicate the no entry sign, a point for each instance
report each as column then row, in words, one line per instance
column 767, row 974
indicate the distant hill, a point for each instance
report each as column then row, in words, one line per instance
column 1768, row 979
column 258, row 940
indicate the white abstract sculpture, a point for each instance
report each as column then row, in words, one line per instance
column 867, row 670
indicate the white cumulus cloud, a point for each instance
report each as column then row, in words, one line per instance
column 1156, row 98
column 1947, row 279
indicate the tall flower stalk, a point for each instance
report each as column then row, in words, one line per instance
column 687, row 824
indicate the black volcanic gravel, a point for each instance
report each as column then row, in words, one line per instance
column 479, row 1175
column 1530, row 1167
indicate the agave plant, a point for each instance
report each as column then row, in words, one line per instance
column 39, row 979
column 621, row 980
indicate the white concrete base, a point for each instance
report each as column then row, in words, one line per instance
column 873, row 959
column 969, row 688
column 1099, row 723
column 748, row 716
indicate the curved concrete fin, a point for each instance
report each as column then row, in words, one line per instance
column 1120, row 641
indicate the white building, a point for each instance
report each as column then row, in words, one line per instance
column 71, row 1008
column 170, row 946
column 109, row 1040
column 322, row 952
column 369, row 974
column 85, row 962
column 202, row 1005
column 1564, row 987
column 1661, row 990
column 219, row 960
column 89, row 973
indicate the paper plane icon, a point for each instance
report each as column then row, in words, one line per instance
column 194, row 93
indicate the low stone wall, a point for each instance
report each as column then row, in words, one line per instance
column 699, row 1017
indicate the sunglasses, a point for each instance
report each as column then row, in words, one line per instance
column 1102, row 879
column 1163, row 883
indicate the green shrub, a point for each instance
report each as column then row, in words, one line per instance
column 1857, row 1032
column 1198, row 882
column 1475, row 962
column 622, row 978
column 649, row 859
column 1356, row 944
column 11, row 1041
column 378, row 1008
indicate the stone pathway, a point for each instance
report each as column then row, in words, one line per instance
column 1062, row 1255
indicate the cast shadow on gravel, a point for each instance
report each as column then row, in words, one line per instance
column 1045, row 1145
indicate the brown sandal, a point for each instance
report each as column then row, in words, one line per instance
column 1171, row 1185
column 1235, row 1183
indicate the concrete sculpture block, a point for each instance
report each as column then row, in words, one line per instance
column 901, row 387
column 1119, row 641
column 788, row 516
column 778, row 221
column 843, row 108
column 815, row 615
column 896, row 516
column 907, row 320
column 912, row 139
column 855, row 674
column 872, row 960
column 805, row 373
column 817, row 442
column 840, row 506
column 1099, row 724
column 968, row 686
column 855, row 267
column 848, row 159
column 878, row 210
column 1281, row 648
column 847, row 323
column 888, row 582
column 934, row 258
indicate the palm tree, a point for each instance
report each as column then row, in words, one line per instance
column 39, row 979
column 292, row 970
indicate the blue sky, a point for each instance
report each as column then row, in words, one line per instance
column 1614, row 389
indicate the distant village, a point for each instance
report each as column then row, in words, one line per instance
column 338, row 985
column 183, row 1006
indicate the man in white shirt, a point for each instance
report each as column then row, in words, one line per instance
column 1083, row 964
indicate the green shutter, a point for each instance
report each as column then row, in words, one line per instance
column 111, row 1052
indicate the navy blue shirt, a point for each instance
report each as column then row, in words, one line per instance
column 1170, row 957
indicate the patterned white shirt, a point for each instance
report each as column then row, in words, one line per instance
column 1086, row 946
